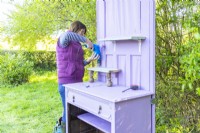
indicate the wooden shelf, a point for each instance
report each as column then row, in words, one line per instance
column 104, row 69
column 137, row 37
column 95, row 121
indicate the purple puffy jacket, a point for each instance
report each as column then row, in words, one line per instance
column 70, row 67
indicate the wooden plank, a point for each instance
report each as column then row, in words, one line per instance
column 97, row 122
column 104, row 69
column 124, row 38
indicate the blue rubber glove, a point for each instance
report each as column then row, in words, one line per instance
column 96, row 50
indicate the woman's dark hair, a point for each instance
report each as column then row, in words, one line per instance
column 76, row 26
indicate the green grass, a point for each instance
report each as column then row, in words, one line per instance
column 31, row 108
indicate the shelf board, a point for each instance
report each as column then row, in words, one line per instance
column 137, row 37
column 104, row 69
column 95, row 121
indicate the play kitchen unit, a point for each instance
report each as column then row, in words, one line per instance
column 119, row 100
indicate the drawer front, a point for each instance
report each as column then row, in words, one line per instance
column 91, row 104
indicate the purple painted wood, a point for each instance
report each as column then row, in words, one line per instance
column 97, row 122
column 111, row 94
column 126, row 35
column 133, row 116
column 124, row 19
column 128, row 111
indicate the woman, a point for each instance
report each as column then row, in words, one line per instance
column 70, row 60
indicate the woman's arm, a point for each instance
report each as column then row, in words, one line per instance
column 72, row 36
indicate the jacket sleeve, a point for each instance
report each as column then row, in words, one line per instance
column 68, row 36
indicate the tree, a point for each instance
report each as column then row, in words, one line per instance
column 36, row 21
column 177, row 65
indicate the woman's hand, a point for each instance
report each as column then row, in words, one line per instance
column 94, row 56
column 89, row 43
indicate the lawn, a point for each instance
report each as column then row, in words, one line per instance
column 33, row 107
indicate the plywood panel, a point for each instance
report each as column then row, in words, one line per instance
column 100, row 19
column 122, row 17
column 135, row 70
column 121, row 64
column 109, row 61
column 145, row 58
column 127, row 47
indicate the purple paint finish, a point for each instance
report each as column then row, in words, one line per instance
column 95, row 121
column 128, row 111
column 126, row 35
column 122, row 19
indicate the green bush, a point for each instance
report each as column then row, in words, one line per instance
column 14, row 69
column 42, row 60
column 190, row 65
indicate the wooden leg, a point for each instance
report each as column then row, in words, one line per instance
column 109, row 81
column 91, row 76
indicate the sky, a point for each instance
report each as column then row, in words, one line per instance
column 6, row 8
